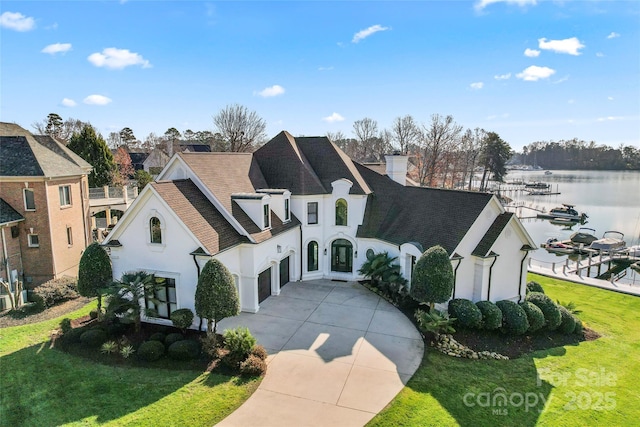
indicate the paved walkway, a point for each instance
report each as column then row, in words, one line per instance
column 584, row 280
column 338, row 355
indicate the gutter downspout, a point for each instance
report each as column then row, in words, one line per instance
column 526, row 253
column 455, row 276
column 5, row 256
column 300, row 252
column 495, row 258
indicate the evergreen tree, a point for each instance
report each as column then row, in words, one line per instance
column 432, row 280
column 93, row 149
column 216, row 295
column 94, row 272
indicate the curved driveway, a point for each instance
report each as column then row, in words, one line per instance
column 338, row 354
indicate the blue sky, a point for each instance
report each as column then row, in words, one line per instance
column 528, row 70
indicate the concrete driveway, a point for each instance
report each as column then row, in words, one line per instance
column 338, row 355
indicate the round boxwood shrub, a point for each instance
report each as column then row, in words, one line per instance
column 73, row 335
column 568, row 324
column 173, row 338
column 158, row 336
column 184, row 350
column 468, row 315
column 552, row 316
column 534, row 316
column 150, row 350
column 578, row 328
column 93, row 337
column 182, row 318
column 491, row 315
column 514, row 319
column 534, row 287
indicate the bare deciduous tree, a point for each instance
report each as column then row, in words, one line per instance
column 436, row 139
column 365, row 130
column 241, row 129
column 405, row 133
column 55, row 127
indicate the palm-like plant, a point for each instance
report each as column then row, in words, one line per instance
column 435, row 322
column 571, row 306
column 380, row 267
column 127, row 296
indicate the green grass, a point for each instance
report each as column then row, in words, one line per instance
column 593, row 383
column 41, row 386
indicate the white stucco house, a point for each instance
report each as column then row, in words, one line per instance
column 301, row 209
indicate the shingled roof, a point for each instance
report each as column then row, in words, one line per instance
column 429, row 216
column 492, row 234
column 24, row 154
column 206, row 223
column 8, row 214
column 307, row 165
column 226, row 173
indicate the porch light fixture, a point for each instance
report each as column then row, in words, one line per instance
column 356, row 254
column 279, row 249
column 325, row 251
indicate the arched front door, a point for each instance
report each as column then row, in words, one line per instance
column 342, row 256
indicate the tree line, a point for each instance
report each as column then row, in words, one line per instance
column 579, row 154
column 441, row 152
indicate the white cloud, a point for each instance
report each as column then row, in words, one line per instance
column 335, row 117
column 502, row 76
column 531, row 53
column 535, row 73
column 600, row 54
column 613, row 35
column 66, row 102
column 571, row 101
column 96, row 100
column 268, row 92
column 561, row 80
column 570, row 46
column 363, row 34
column 52, row 49
column 116, row 59
column 477, row 85
column 17, row 21
column 610, row 98
column 498, row 116
column 610, row 118
column 481, row 4
column 325, row 68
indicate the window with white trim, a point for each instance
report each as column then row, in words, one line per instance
column 165, row 301
column 155, row 230
column 33, row 240
column 266, row 216
column 65, row 195
column 287, row 212
column 312, row 213
column 29, row 199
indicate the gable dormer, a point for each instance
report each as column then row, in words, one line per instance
column 257, row 206
column 280, row 202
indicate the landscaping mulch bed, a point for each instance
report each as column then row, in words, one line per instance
column 516, row 346
column 9, row 319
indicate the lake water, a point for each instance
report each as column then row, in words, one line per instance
column 611, row 199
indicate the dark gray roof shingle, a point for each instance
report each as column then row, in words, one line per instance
column 8, row 214
column 492, row 234
column 429, row 216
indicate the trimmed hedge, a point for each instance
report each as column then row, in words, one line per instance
column 182, row 318
column 432, row 278
column 94, row 271
column 73, row 335
column 552, row 316
column 158, row 336
column 578, row 328
column 491, row 315
column 534, row 287
column 150, row 350
column 173, row 338
column 466, row 313
column 93, row 338
column 568, row 324
column 514, row 318
column 534, row 316
column 184, row 350
column 55, row 291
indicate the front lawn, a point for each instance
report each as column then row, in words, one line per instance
column 591, row 383
column 41, row 386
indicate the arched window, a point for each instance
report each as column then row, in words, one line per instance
column 155, row 230
column 341, row 212
column 312, row 256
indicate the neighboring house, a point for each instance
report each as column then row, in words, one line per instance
column 10, row 252
column 300, row 209
column 155, row 161
column 137, row 159
column 46, row 184
column 195, row 148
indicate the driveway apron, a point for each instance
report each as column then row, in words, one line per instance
column 338, row 354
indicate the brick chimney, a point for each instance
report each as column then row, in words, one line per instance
column 397, row 167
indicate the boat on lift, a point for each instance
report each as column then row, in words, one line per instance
column 584, row 236
column 557, row 247
column 611, row 241
column 567, row 211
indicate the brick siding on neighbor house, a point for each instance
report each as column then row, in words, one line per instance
column 13, row 251
column 54, row 257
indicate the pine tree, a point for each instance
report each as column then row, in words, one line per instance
column 93, row 149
